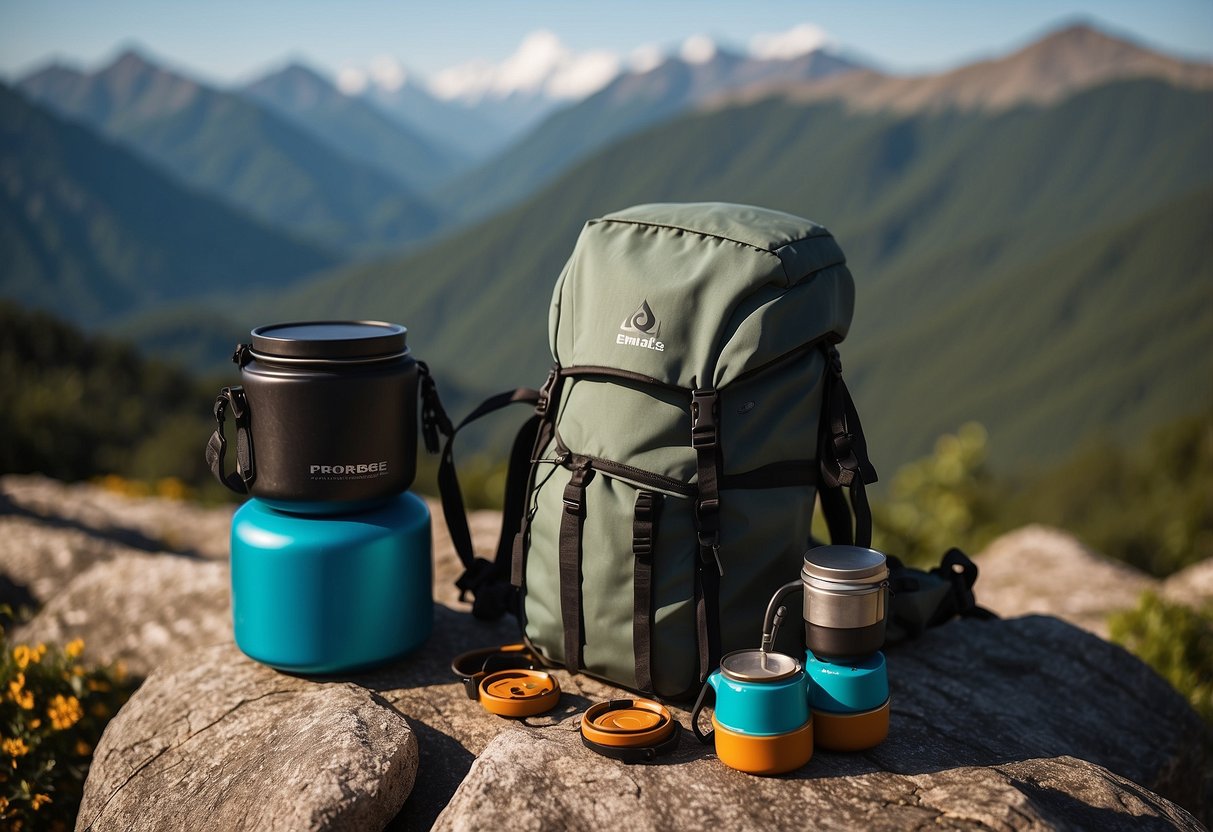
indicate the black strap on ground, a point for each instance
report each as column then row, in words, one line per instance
column 571, row 522
column 842, row 453
column 232, row 398
column 705, row 439
column 644, row 537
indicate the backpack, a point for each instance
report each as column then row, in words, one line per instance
column 664, row 486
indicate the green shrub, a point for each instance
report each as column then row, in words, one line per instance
column 53, row 709
column 940, row 501
column 1175, row 640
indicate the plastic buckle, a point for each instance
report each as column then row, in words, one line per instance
column 705, row 406
column 545, row 392
column 235, row 400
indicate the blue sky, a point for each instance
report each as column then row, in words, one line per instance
column 227, row 40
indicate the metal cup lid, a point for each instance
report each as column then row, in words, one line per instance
column 757, row 666
column 846, row 564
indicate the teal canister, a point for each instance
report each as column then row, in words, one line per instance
column 850, row 686
column 334, row 593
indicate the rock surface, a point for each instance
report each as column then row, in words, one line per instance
column 1041, row 570
column 215, row 741
column 139, row 609
column 1002, row 724
column 1192, row 586
column 995, row 724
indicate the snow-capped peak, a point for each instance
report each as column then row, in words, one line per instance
column 797, row 41
column 542, row 65
column 697, row 49
column 385, row 73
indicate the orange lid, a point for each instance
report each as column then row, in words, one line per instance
column 627, row 723
column 518, row 693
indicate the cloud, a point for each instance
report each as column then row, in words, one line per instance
column 800, row 40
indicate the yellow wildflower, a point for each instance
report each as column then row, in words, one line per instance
column 35, row 724
column 22, row 655
column 83, row 749
column 39, row 652
column 3, row 805
column 16, row 692
column 74, row 648
column 64, row 711
column 40, row 800
column 98, row 685
column 14, row 747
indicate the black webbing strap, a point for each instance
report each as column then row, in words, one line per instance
column 705, row 439
column 232, row 398
column 644, row 535
column 545, row 428
column 481, row 577
column 842, row 453
column 571, row 522
column 837, row 515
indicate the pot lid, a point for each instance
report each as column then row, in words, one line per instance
column 758, row 666
column 846, row 564
column 332, row 340
column 518, row 693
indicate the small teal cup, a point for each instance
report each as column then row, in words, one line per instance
column 848, row 687
column 333, row 593
column 757, row 707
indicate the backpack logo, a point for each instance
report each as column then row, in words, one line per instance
column 646, row 327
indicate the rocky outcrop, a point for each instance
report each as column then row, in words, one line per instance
column 215, row 741
column 1020, row 724
column 1192, row 586
column 1002, row 723
column 139, row 609
column 149, row 524
column 1041, row 570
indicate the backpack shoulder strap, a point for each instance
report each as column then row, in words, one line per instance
column 487, row 581
column 842, row 456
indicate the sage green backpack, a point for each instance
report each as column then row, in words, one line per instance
column 665, row 485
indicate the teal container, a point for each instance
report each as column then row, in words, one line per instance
column 848, row 687
column 759, row 694
column 333, row 593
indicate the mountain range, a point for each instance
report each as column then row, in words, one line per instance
column 1029, row 234
column 224, row 144
column 90, row 231
column 355, row 127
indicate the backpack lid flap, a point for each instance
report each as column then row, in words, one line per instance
column 662, row 290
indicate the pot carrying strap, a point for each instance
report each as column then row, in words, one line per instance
column 487, row 581
column 216, row 448
column 705, row 737
column 919, row 599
